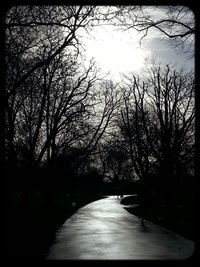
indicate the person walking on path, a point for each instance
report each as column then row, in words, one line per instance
column 142, row 195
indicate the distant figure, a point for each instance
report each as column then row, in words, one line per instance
column 142, row 221
column 115, row 185
column 141, row 210
column 118, row 193
column 142, row 201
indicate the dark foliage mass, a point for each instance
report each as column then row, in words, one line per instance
column 71, row 136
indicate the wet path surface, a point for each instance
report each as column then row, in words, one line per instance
column 104, row 230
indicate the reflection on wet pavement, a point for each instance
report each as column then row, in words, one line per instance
column 105, row 230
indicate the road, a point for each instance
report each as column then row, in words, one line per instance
column 104, row 230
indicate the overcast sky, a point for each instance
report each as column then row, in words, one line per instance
column 116, row 51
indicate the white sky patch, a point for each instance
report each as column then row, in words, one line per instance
column 119, row 52
column 163, row 52
column 115, row 51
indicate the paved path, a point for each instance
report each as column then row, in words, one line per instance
column 105, row 230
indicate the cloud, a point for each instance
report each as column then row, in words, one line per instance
column 163, row 51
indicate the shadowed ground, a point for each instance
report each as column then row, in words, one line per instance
column 105, row 230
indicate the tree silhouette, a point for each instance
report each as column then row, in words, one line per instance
column 175, row 22
column 54, row 103
column 34, row 38
column 157, row 124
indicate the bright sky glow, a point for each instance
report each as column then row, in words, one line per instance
column 115, row 51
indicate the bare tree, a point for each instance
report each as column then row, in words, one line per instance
column 51, row 114
column 42, row 25
column 35, row 36
column 172, row 98
column 158, row 121
column 100, row 123
column 56, row 111
column 135, row 127
column 177, row 23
